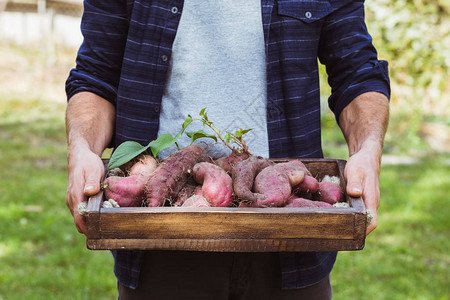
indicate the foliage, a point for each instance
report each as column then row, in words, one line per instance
column 130, row 149
column 414, row 35
column 228, row 139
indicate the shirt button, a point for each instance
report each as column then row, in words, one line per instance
column 164, row 58
column 156, row 109
column 174, row 10
column 308, row 15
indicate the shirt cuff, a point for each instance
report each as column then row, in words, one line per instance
column 375, row 79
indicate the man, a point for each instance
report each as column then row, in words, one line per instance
column 144, row 66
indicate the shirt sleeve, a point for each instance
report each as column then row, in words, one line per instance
column 350, row 58
column 104, row 26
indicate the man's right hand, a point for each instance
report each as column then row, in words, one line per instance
column 89, row 126
column 84, row 175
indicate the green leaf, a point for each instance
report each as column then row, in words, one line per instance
column 227, row 138
column 162, row 142
column 202, row 112
column 130, row 149
column 187, row 122
column 200, row 134
column 166, row 140
column 241, row 132
column 124, row 153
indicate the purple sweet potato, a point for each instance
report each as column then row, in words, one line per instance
column 217, row 186
column 126, row 191
column 144, row 166
column 308, row 185
column 228, row 162
column 172, row 173
column 186, row 191
column 244, row 174
column 330, row 192
column 198, row 190
column 246, row 204
column 273, row 185
column 302, row 202
column 196, row 201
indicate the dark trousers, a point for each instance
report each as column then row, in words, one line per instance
column 180, row 275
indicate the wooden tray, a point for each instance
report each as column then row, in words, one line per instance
column 231, row 229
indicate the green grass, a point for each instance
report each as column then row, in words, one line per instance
column 407, row 256
column 42, row 256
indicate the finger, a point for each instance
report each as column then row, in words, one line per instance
column 80, row 222
column 92, row 183
column 373, row 224
column 73, row 198
column 372, row 207
column 355, row 184
column 371, row 197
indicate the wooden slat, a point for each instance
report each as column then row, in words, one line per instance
column 226, row 245
column 93, row 227
column 360, row 227
column 212, row 224
column 95, row 203
column 357, row 204
column 93, row 216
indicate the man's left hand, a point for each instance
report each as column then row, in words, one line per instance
column 362, row 174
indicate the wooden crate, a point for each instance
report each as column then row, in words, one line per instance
column 231, row 229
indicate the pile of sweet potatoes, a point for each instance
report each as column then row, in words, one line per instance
column 189, row 177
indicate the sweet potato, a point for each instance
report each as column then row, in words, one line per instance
column 244, row 174
column 116, row 172
column 228, row 162
column 302, row 202
column 186, row 191
column 246, row 204
column 330, row 192
column 126, row 191
column 273, row 185
column 217, row 186
column 196, row 201
column 172, row 173
column 198, row 190
column 145, row 166
column 308, row 185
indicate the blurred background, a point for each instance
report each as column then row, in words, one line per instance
column 43, row 257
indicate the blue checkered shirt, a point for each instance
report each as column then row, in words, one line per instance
column 125, row 58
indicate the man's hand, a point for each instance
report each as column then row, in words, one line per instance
column 362, row 174
column 89, row 126
column 364, row 122
column 85, row 173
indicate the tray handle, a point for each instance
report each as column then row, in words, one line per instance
column 95, row 202
column 93, row 209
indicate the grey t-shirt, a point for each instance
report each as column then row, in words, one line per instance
column 218, row 63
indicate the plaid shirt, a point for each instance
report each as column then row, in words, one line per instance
column 125, row 58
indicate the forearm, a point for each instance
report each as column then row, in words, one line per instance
column 89, row 122
column 89, row 126
column 364, row 122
